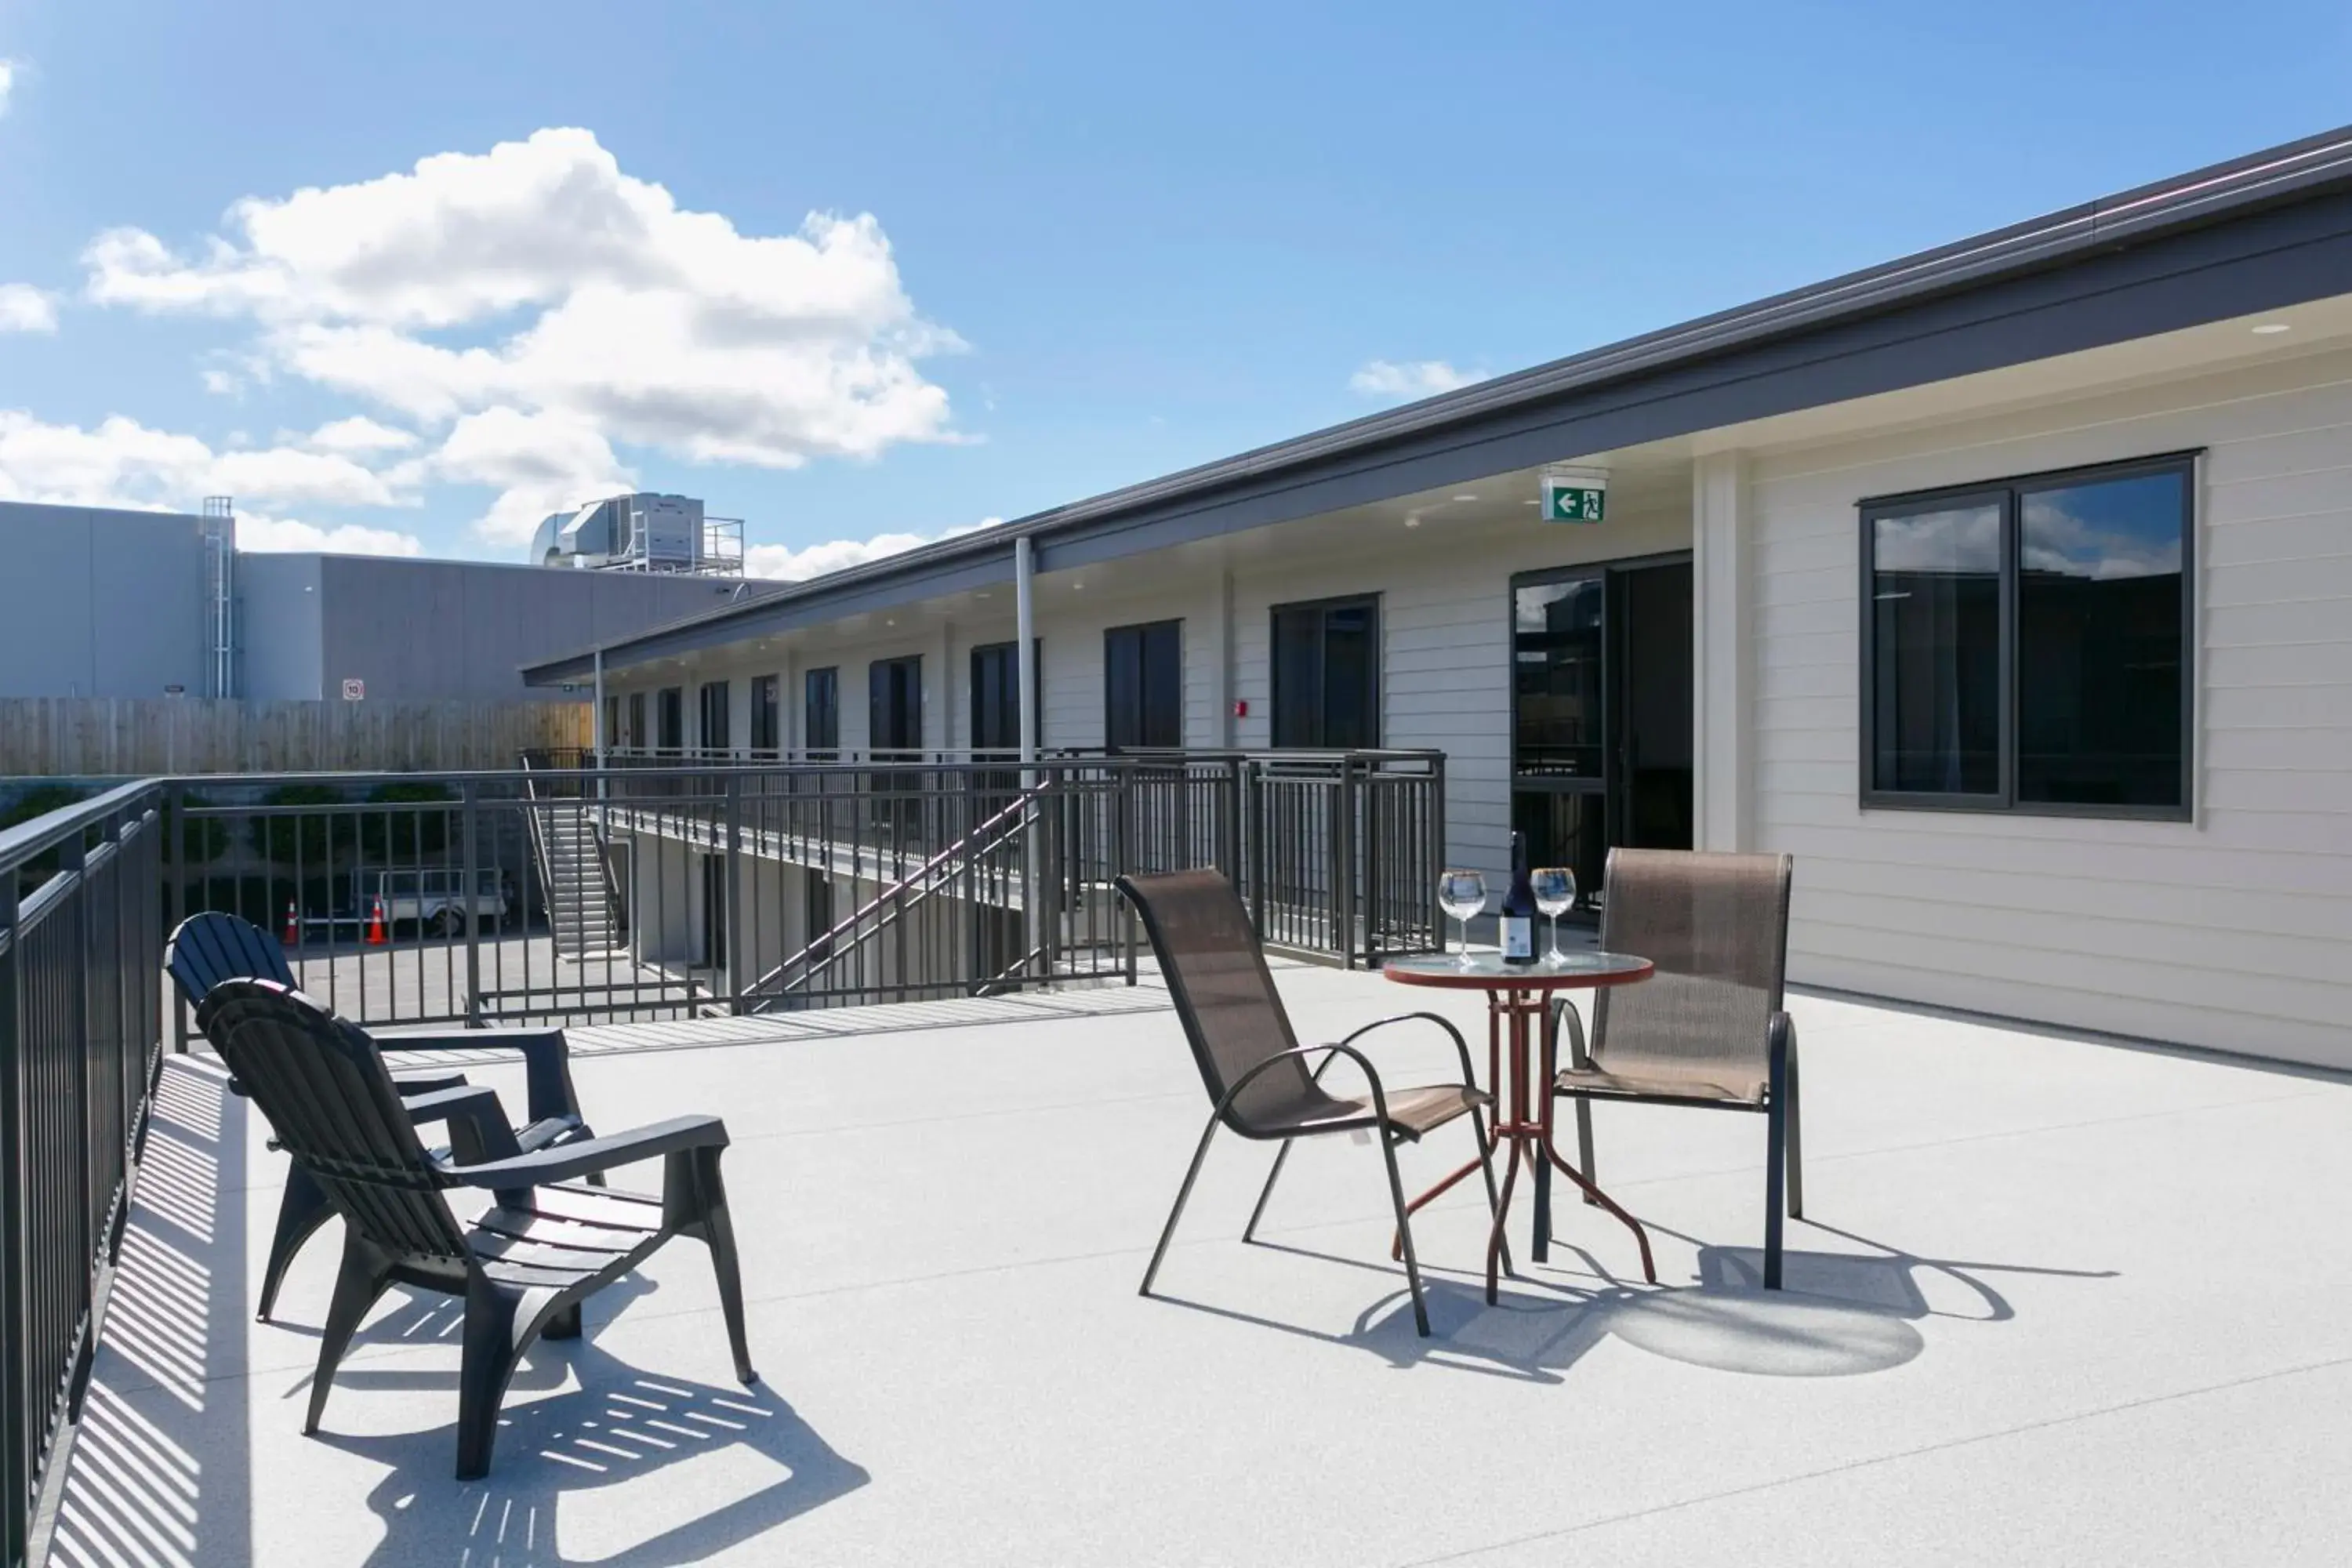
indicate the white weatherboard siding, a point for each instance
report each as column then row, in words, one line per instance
column 1446, row 631
column 2233, row 931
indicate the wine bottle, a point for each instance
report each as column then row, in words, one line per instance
column 1519, row 919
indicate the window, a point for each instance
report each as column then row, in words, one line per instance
column 894, row 699
column 670, row 713
column 634, row 735
column 714, row 699
column 1327, row 669
column 996, row 696
column 2025, row 645
column 1143, row 686
column 613, row 722
column 767, row 737
column 821, row 712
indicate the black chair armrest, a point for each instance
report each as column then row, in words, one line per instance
column 426, row 1080
column 547, row 1059
column 1566, row 1020
column 569, row 1162
column 1461, row 1046
column 1371, row 1075
column 478, row 1131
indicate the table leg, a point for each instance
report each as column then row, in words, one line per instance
column 1396, row 1238
column 1649, row 1270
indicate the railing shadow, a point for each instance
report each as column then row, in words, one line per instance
column 157, row 1474
column 648, row 1435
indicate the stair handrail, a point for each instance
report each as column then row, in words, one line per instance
column 994, row 832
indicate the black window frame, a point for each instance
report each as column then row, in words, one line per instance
column 884, row 672
column 983, row 654
column 2007, row 493
column 1142, row 632
column 714, row 702
column 669, row 721
column 1376, row 672
column 768, row 714
column 825, row 681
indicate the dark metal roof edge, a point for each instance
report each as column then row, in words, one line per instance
column 2207, row 195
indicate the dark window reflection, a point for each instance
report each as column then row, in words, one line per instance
column 1936, row 637
column 1565, row 829
column 1327, row 662
column 2099, row 642
column 1556, row 669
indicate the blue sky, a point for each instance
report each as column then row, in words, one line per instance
column 1059, row 248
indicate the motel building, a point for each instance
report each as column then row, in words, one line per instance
column 2008, row 587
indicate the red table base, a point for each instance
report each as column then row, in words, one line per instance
column 1523, row 1133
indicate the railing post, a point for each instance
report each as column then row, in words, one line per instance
column 16, row 1351
column 173, row 823
column 1253, row 808
column 732, row 892
column 1343, row 862
column 470, row 830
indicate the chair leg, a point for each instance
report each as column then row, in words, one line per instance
column 566, row 1325
column 1404, row 1235
column 1249, row 1231
column 490, row 1355
column 718, row 1231
column 1775, row 1157
column 366, row 1273
column 1796, row 1140
column 302, row 1210
column 1584, row 1146
column 1183, row 1194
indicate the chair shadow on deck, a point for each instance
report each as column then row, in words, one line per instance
column 679, row 1445
column 1841, row 1314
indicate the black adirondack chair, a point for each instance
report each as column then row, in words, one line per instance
column 525, row 1264
column 208, row 949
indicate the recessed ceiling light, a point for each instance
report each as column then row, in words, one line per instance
column 1466, row 496
column 889, row 623
column 1076, row 586
column 1531, row 503
column 1413, row 519
column 2268, row 329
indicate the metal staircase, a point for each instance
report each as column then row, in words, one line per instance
column 573, row 874
column 888, row 946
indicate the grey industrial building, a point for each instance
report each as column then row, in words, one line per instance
column 102, row 603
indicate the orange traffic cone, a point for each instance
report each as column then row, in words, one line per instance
column 375, row 937
column 293, row 931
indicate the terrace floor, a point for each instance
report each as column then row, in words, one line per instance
column 2062, row 1301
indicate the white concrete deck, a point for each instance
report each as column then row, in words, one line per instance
column 2060, row 1302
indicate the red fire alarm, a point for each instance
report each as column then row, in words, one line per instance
column 1240, row 706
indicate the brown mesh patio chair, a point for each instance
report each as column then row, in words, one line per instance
column 1706, row 1029
column 1257, row 1074
column 212, row 947
column 522, row 1264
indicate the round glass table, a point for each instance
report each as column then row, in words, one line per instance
column 1521, row 1076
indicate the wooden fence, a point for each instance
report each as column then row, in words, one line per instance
column 84, row 737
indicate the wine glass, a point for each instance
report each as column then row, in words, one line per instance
column 1555, row 889
column 1462, row 894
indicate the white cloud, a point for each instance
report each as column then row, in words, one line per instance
column 1410, row 378
column 8, row 82
column 538, row 463
column 280, row 533
column 781, row 561
column 600, row 315
column 121, row 463
column 359, row 434
column 24, row 309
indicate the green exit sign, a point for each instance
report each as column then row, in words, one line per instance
column 1574, row 500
